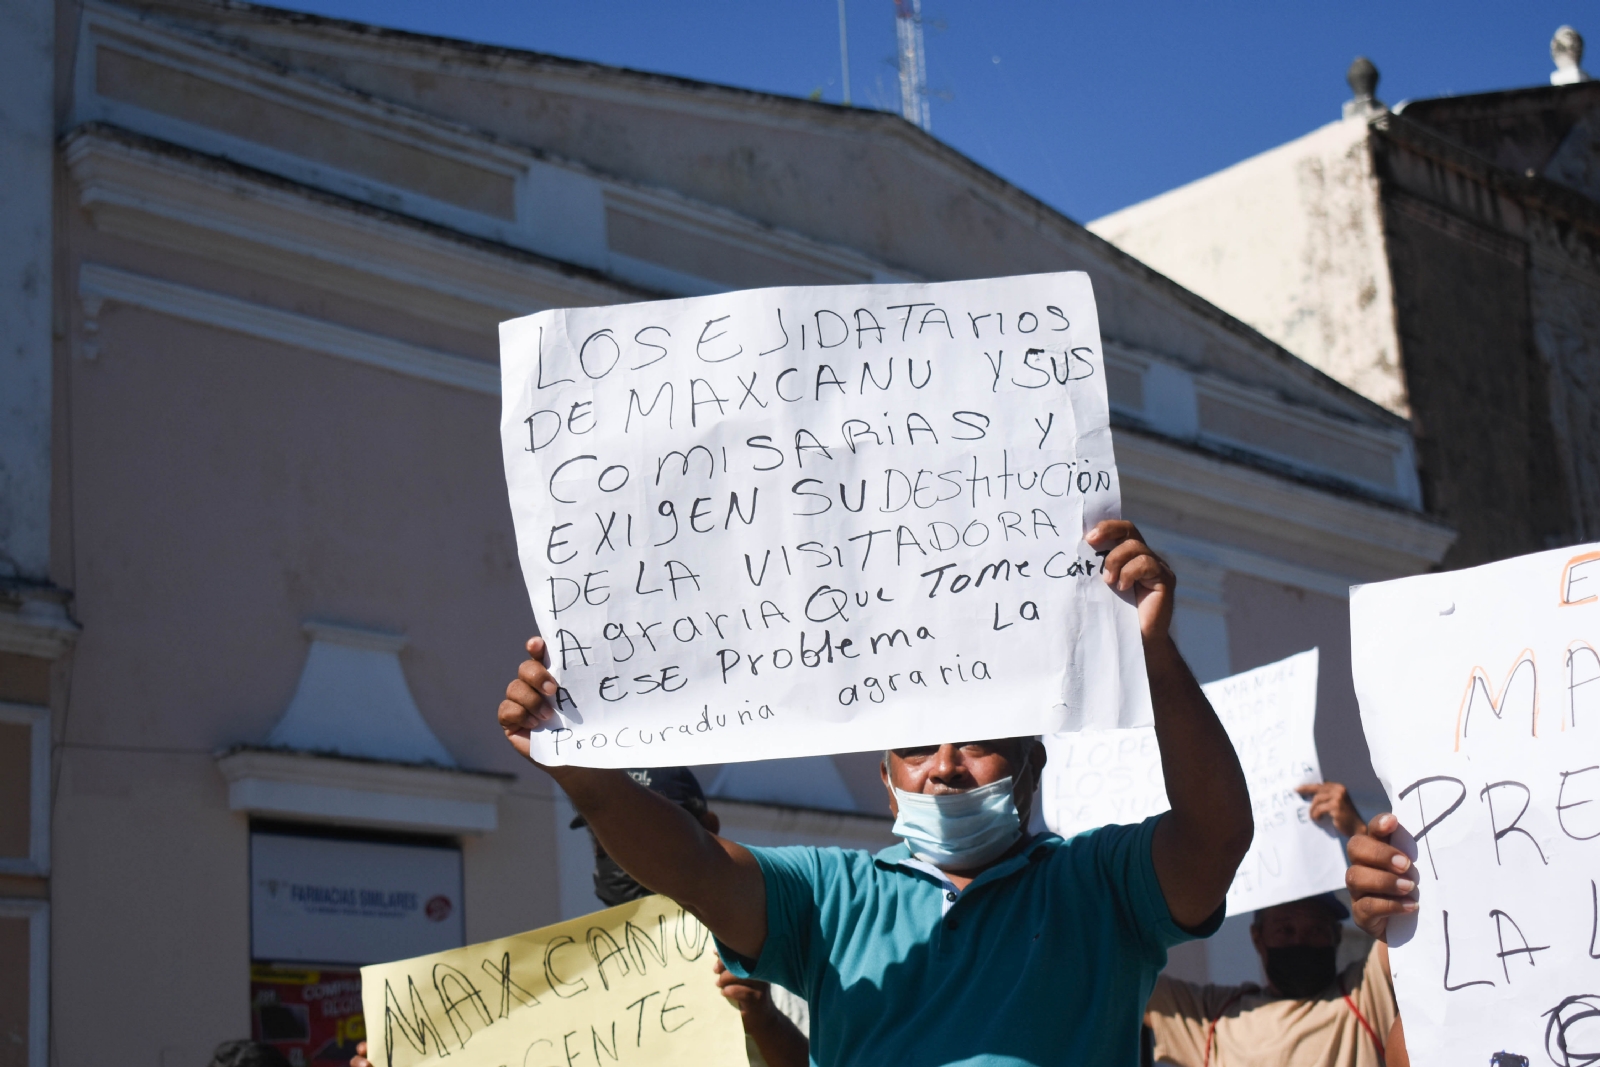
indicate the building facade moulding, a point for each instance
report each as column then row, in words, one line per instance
column 353, row 748
column 1355, row 540
column 143, row 189
column 544, row 192
column 283, row 784
column 39, row 627
column 99, row 285
column 317, row 49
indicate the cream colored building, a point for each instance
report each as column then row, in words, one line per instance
column 1441, row 258
column 257, row 572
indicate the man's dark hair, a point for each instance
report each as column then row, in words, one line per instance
column 247, row 1054
column 1015, row 748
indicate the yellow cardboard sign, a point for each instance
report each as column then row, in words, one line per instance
column 629, row 985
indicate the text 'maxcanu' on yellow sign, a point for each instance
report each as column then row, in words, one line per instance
column 631, row 984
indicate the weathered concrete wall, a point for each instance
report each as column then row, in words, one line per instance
column 1487, row 452
column 1291, row 242
column 1564, row 295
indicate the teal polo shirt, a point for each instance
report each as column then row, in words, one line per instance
column 1046, row 958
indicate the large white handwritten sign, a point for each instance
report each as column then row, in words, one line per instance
column 1480, row 695
column 1114, row 776
column 796, row 521
column 629, row 985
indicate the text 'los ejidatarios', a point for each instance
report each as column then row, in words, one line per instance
column 794, row 521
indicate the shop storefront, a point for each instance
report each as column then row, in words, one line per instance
column 323, row 902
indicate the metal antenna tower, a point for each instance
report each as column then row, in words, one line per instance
column 844, row 52
column 913, row 63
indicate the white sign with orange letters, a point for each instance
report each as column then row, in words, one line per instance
column 1480, row 696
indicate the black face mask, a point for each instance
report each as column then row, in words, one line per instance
column 613, row 885
column 1301, row 971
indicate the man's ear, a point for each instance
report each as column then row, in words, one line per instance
column 1035, row 783
column 710, row 820
column 883, row 773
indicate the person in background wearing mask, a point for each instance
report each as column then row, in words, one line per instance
column 972, row 942
column 1309, row 1015
column 771, row 1038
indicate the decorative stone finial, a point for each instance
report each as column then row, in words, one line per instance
column 1566, row 48
column 1363, row 79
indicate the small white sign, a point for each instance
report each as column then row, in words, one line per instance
column 1114, row 776
column 326, row 900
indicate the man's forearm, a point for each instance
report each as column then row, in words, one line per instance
column 779, row 1040
column 666, row 850
column 1202, row 839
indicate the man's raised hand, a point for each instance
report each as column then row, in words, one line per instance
column 1333, row 800
column 529, row 698
column 1130, row 565
column 1380, row 878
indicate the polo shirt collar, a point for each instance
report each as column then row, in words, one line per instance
column 899, row 857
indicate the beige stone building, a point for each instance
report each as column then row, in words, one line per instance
column 1443, row 259
column 258, row 587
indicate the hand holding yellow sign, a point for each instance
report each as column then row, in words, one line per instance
column 632, row 984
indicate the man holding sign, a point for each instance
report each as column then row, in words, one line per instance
column 791, row 522
column 971, row 943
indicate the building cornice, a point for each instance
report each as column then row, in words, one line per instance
column 1355, row 539
column 40, row 627
column 1530, row 189
column 322, row 788
column 246, row 28
column 149, row 191
column 99, row 284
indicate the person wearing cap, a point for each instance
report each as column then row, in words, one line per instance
column 971, row 942
column 1309, row 1014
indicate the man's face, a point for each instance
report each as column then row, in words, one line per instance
column 1299, row 923
column 964, row 765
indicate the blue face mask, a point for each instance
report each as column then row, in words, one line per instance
column 959, row 831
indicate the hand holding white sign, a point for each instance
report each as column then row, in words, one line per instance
column 798, row 521
column 1114, row 776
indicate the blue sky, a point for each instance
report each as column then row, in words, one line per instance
column 1088, row 106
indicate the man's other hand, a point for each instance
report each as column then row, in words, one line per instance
column 778, row 1040
column 1130, row 566
column 1380, row 878
column 752, row 998
column 530, row 697
column 360, row 1058
column 1332, row 800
